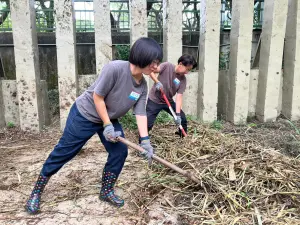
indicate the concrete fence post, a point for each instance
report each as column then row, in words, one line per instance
column 103, row 40
column 240, row 57
column 209, row 44
column 66, row 57
column 27, row 64
column 270, row 64
column 172, row 30
column 138, row 20
column 138, row 24
column 291, row 78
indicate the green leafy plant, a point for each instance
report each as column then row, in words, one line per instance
column 224, row 60
column 191, row 118
column 252, row 125
column 249, row 202
column 163, row 117
column 10, row 125
column 217, row 125
column 294, row 126
column 53, row 96
column 128, row 121
column 122, row 52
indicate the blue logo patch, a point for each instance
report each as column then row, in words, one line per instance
column 176, row 81
column 134, row 96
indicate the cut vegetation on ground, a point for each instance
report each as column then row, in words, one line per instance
column 249, row 175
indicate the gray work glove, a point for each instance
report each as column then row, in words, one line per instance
column 178, row 119
column 110, row 134
column 148, row 153
column 159, row 86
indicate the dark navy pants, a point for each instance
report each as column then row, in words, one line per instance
column 77, row 132
column 153, row 110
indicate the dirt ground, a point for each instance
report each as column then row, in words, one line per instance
column 71, row 196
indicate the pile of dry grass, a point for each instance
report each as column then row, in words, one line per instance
column 241, row 182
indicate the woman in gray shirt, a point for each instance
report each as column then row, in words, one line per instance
column 119, row 87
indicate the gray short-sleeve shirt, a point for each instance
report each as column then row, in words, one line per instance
column 120, row 91
column 173, row 83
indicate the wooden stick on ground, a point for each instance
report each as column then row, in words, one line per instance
column 160, row 160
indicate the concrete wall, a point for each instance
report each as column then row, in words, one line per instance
column 210, row 92
column 85, row 52
column 11, row 102
column 224, row 87
column 84, row 81
column 191, row 94
column 2, row 114
column 10, row 98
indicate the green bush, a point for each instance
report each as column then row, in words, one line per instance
column 163, row 117
column 122, row 52
column 128, row 121
column 53, row 96
column 224, row 60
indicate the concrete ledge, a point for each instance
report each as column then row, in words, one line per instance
column 84, row 81
column 11, row 103
column 253, row 92
column 2, row 119
column 190, row 96
column 253, row 87
column 45, row 104
column 223, row 92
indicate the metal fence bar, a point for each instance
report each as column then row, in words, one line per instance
column 86, row 24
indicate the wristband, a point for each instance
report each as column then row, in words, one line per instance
column 106, row 124
column 144, row 138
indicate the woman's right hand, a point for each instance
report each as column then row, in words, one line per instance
column 110, row 134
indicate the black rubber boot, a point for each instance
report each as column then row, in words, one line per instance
column 179, row 133
column 33, row 204
column 107, row 190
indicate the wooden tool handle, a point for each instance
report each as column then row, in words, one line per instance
column 160, row 160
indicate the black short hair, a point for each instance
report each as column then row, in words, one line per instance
column 144, row 51
column 187, row 60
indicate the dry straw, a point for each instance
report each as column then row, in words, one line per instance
column 241, row 182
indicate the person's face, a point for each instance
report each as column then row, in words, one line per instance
column 151, row 68
column 183, row 70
